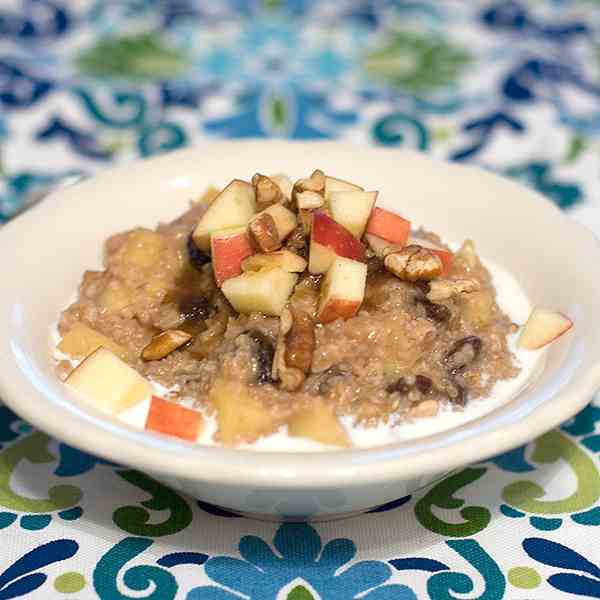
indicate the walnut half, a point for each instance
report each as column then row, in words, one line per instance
column 413, row 263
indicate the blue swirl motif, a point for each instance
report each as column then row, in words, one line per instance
column 585, row 581
column 23, row 576
column 482, row 131
column 20, row 88
column 38, row 20
column 261, row 573
column 139, row 578
column 513, row 17
column 443, row 581
column 393, row 130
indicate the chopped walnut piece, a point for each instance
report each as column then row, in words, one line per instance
column 165, row 343
column 300, row 341
column 290, row 378
column 314, row 183
column 448, row 288
column 267, row 191
column 413, row 263
column 264, row 233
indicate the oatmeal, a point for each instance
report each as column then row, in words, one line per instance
column 300, row 308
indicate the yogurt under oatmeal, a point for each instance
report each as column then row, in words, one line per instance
column 292, row 316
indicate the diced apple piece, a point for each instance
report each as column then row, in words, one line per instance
column 328, row 240
column 282, row 259
column 173, row 419
column 352, row 210
column 342, row 290
column 240, row 417
column 229, row 248
column 108, row 382
column 543, row 327
column 266, row 291
column 333, row 184
column 389, row 226
column 233, row 207
column 320, row 424
column 446, row 256
column 81, row 340
column 285, row 219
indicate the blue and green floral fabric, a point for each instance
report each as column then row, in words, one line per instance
column 513, row 86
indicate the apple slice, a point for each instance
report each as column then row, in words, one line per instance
column 173, row 419
column 333, row 184
column 319, row 423
column 342, row 290
column 446, row 256
column 389, row 226
column 229, row 248
column 266, row 291
column 352, row 210
column 543, row 326
column 328, row 240
column 111, row 384
column 81, row 340
column 233, row 207
column 282, row 259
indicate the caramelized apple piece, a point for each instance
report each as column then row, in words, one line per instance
column 319, row 423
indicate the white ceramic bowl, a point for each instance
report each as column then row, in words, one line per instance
column 46, row 250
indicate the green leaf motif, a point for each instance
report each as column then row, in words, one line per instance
column 135, row 519
column 416, row 63
column 300, row 593
column 476, row 518
column 142, row 56
column 550, row 448
column 33, row 448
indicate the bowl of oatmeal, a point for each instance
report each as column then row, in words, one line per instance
column 220, row 316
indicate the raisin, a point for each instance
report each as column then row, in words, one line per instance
column 424, row 384
column 195, row 308
column 198, row 258
column 400, row 386
column 435, row 312
column 264, row 356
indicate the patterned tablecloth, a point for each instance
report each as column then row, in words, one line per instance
column 514, row 86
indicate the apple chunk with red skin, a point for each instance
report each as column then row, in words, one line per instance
column 108, row 382
column 233, row 207
column 389, row 226
column 352, row 210
column 543, row 327
column 173, row 419
column 229, row 248
column 342, row 290
column 329, row 240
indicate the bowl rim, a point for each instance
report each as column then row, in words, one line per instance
column 350, row 467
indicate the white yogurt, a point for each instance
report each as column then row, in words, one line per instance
column 513, row 302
